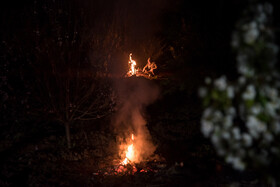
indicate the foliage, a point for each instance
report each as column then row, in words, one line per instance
column 242, row 118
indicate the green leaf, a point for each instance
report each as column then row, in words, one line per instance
column 249, row 103
column 215, row 94
column 264, row 117
column 206, row 101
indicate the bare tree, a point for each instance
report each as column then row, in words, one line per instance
column 67, row 89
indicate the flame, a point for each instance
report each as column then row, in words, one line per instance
column 150, row 67
column 147, row 71
column 132, row 71
column 130, row 153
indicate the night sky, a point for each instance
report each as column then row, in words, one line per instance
column 204, row 31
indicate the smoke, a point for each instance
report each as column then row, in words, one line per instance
column 134, row 95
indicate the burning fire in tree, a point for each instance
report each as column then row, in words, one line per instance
column 150, row 67
column 132, row 71
column 147, row 71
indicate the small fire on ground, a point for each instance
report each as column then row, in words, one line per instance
column 130, row 164
column 129, row 156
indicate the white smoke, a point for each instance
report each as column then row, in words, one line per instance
column 134, row 95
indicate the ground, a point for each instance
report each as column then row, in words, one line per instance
column 34, row 153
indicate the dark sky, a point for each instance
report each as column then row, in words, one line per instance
column 208, row 25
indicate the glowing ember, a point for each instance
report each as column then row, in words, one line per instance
column 129, row 153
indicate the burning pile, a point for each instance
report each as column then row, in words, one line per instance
column 147, row 71
column 131, row 163
column 127, row 165
column 129, row 156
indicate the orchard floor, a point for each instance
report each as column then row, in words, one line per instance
column 34, row 153
column 44, row 161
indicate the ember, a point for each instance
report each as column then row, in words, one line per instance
column 132, row 168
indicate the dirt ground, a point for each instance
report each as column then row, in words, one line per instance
column 35, row 153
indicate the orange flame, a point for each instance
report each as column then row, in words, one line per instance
column 129, row 157
column 147, row 71
column 150, row 67
column 132, row 71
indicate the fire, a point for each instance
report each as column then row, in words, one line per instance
column 150, row 67
column 132, row 71
column 147, row 71
column 130, row 153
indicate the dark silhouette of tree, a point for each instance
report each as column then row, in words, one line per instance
column 66, row 88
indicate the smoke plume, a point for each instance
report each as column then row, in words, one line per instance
column 134, row 95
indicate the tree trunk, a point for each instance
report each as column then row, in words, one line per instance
column 68, row 138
